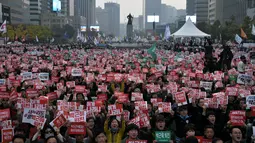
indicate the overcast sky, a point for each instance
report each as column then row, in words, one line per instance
column 135, row 8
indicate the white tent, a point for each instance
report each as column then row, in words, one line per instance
column 189, row 30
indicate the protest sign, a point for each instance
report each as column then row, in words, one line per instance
column 102, row 97
column 77, row 116
column 6, row 124
column 141, row 105
column 135, row 121
column 136, row 141
column 43, row 76
column 206, row 85
column 52, row 96
column 26, row 76
column 2, row 82
column 29, row 112
column 102, row 88
column 80, row 88
column 180, row 98
column 76, row 72
column 115, row 109
column 164, row 107
column 237, row 117
column 5, row 114
column 231, row 91
column 32, row 93
column 7, row 135
column 59, row 121
column 38, row 121
column 244, row 79
column 123, row 98
column 77, row 128
column 136, row 96
column 70, row 84
column 250, row 101
column 163, row 136
column 201, row 139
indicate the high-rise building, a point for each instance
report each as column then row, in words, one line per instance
column 19, row 10
column 190, row 7
column 181, row 12
column 113, row 10
column 201, row 10
column 102, row 17
column 151, row 7
column 35, row 12
column 87, row 9
column 223, row 10
column 168, row 14
column 141, row 22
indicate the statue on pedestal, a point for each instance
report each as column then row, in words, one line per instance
column 130, row 19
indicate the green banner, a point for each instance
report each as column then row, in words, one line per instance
column 163, row 136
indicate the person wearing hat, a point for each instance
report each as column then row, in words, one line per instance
column 132, row 133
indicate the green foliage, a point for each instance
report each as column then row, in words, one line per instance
column 228, row 29
column 30, row 31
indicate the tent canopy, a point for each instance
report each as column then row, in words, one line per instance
column 189, row 30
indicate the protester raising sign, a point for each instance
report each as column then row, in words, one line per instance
column 115, row 109
column 180, row 98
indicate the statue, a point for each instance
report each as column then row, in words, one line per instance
column 130, row 19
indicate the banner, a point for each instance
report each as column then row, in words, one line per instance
column 29, row 112
column 2, row 82
column 5, row 114
column 163, row 136
column 77, row 128
column 244, row 79
column 27, row 76
column 76, row 72
column 206, row 85
column 7, row 135
column 250, row 101
column 59, row 121
column 43, row 76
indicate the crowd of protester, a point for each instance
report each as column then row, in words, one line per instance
column 127, row 95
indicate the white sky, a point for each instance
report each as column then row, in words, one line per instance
column 135, row 8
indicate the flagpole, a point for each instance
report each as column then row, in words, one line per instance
column 5, row 38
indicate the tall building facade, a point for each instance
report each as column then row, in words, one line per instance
column 102, row 17
column 151, row 7
column 168, row 14
column 113, row 10
column 35, row 12
column 87, row 9
column 223, row 10
column 190, row 7
column 201, row 10
column 19, row 10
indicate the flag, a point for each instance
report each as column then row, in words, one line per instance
column 52, row 40
column 151, row 51
column 95, row 41
column 167, row 33
column 36, row 38
column 3, row 27
column 243, row 34
column 66, row 35
column 253, row 30
column 238, row 39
